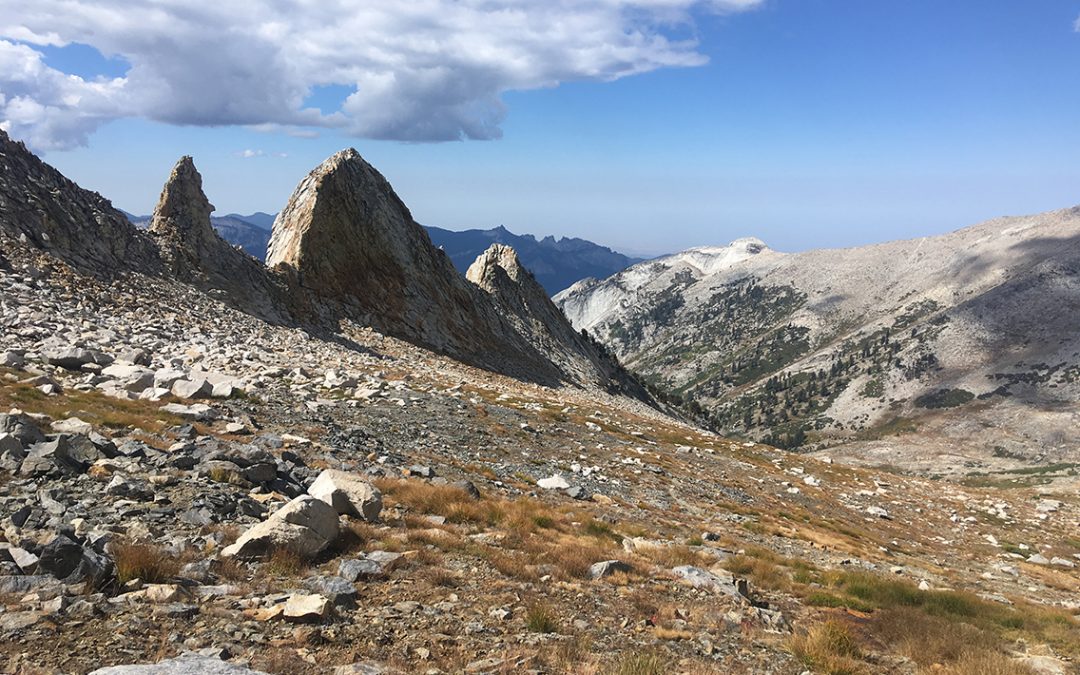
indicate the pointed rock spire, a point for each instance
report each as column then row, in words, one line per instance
column 182, row 214
column 347, row 236
column 196, row 254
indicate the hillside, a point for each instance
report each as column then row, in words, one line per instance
column 953, row 354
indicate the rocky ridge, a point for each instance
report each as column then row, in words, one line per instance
column 525, row 303
column 345, row 246
column 80, row 227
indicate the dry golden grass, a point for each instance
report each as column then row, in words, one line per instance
column 509, row 564
column 540, row 618
column 454, row 504
column 573, row 559
column 641, row 663
column 830, row 647
column 762, row 572
column 990, row 663
column 230, row 569
column 439, row 577
column 663, row 633
column 93, row 407
column 285, row 562
column 152, row 564
column 941, row 645
column 676, row 556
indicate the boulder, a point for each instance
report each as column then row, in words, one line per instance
column 305, row 525
column 555, row 482
column 607, row 567
column 372, row 566
column 300, row 608
column 187, row 389
column 68, row 561
column 74, row 358
column 200, row 412
column 706, row 580
column 186, row 664
column 72, row 425
column 130, row 377
column 21, row 427
column 340, row 592
column 59, row 455
column 347, row 494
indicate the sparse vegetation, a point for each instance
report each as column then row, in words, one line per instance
column 830, row 648
column 147, row 562
column 540, row 618
column 944, row 398
column 641, row 663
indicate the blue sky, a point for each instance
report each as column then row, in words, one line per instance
column 811, row 123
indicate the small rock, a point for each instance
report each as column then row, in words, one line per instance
column 606, row 568
column 307, row 608
column 555, row 482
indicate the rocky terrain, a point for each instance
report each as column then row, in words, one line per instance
column 187, row 483
column 954, row 355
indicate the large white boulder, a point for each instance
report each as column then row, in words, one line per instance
column 304, row 525
column 348, row 494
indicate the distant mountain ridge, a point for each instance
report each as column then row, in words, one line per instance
column 556, row 263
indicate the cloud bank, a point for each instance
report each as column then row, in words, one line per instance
column 422, row 70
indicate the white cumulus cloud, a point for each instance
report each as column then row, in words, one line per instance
column 422, row 70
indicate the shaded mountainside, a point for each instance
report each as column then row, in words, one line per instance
column 919, row 338
column 345, row 248
column 42, row 209
column 556, row 263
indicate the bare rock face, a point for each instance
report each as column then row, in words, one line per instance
column 347, row 238
column 522, row 301
column 194, row 252
column 182, row 218
column 41, row 209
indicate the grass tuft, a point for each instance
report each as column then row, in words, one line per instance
column 541, row 619
column 152, row 564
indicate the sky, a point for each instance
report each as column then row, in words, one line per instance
column 646, row 125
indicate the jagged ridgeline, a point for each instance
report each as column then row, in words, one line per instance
column 807, row 349
column 345, row 247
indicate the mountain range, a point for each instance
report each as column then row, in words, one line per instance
column 556, row 263
column 933, row 353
